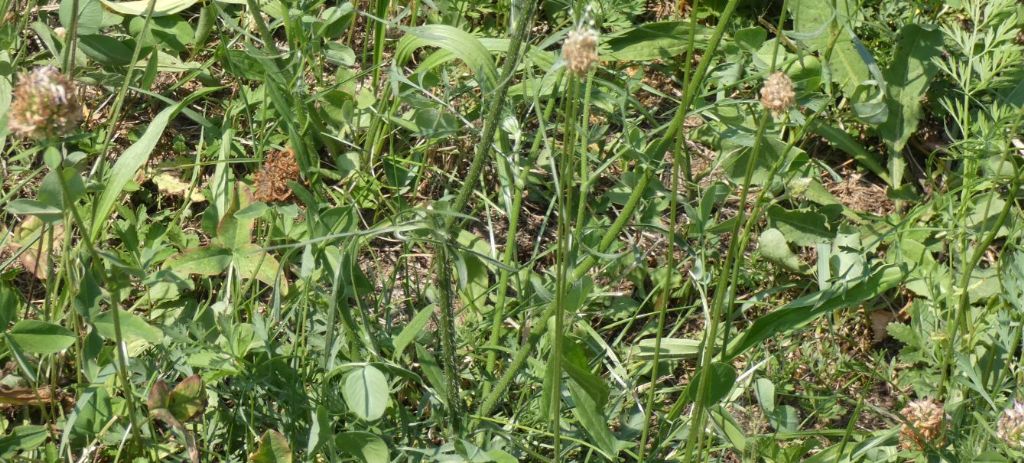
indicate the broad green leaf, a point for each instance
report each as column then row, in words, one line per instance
column 848, row 255
column 907, row 78
column 590, row 395
column 590, row 414
column 105, row 50
column 721, row 378
column 815, row 21
column 172, row 32
column 253, row 262
column 413, row 329
column 39, row 337
column 233, row 231
column 772, row 245
column 659, row 40
column 671, row 348
column 807, row 308
column 840, row 139
column 765, row 390
column 368, row 448
column 33, row 207
column 454, row 41
column 187, row 399
column 23, row 438
column 366, row 392
column 800, row 227
column 849, row 70
column 90, row 15
column 273, row 448
column 200, row 261
column 10, row 304
column 139, row 7
column 133, row 327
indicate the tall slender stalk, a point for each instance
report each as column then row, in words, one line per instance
column 450, row 224
column 625, row 215
column 114, row 289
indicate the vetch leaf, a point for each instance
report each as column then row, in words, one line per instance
column 366, row 392
column 133, row 327
column 39, row 337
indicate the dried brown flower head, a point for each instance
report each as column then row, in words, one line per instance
column 924, row 424
column 271, row 182
column 580, row 50
column 777, row 94
column 45, row 105
column 1011, row 426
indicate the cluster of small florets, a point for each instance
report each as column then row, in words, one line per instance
column 1011, row 426
column 580, row 50
column 925, row 420
column 777, row 95
column 271, row 182
column 44, row 106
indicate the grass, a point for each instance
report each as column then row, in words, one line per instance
column 525, row 230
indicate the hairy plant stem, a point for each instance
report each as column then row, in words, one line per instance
column 625, row 215
column 510, row 242
column 451, row 224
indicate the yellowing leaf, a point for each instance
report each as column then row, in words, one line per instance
column 273, row 448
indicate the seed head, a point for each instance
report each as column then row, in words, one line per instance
column 580, row 50
column 924, row 424
column 777, row 94
column 271, row 181
column 45, row 105
column 1011, row 426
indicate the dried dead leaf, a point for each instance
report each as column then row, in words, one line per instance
column 30, row 240
column 169, row 184
column 880, row 319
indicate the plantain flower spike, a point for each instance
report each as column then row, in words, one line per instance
column 777, row 95
column 45, row 105
column 580, row 47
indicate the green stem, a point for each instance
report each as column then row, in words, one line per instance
column 624, row 215
column 114, row 289
column 441, row 261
